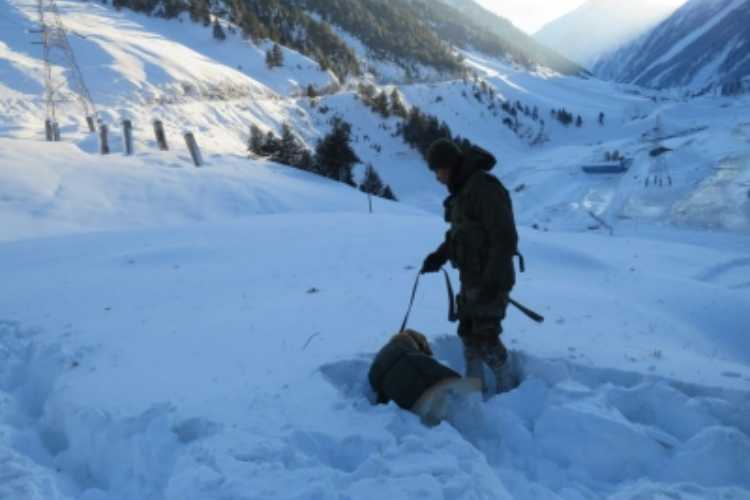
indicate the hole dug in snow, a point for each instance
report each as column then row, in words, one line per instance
column 350, row 378
column 574, row 430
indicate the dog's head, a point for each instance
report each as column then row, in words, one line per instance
column 417, row 339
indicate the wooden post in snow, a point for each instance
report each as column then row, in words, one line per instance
column 127, row 136
column 48, row 132
column 103, row 139
column 195, row 151
column 161, row 137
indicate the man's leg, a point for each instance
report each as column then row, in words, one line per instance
column 486, row 343
column 496, row 356
column 472, row 355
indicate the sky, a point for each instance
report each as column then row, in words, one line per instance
column 531, row 15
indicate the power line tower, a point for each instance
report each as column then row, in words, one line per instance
column 58, row 53
column 660, row 174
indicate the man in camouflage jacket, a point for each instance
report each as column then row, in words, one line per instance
column 481, row 243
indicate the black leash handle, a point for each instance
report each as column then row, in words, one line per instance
column 452, row 316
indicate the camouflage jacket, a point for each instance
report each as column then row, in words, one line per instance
column 481, row 243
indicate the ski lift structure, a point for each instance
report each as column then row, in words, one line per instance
column 659, row 174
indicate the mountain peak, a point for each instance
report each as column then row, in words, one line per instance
column 702, row 45
column 601, row 26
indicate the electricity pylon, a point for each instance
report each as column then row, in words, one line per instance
column 659, row 173
column 58, row 53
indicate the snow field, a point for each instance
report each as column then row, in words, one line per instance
column 205, row 333
column 229, row 361
column 125, row 56
column 52, row 189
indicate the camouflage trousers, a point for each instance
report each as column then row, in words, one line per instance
column 482, row 346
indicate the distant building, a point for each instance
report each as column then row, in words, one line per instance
column 609, row 167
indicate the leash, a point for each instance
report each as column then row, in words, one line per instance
column 452, row 316
column 411, row 302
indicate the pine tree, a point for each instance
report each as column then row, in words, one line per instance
column 564, row 116
column 397, row 105
column 306, row 161
column 421, row 130
column 277, row 55
column 289, row 148
column 380, row 105
column 219, row 31
column 200, row 12
column 387, row 193
column 371, row 183
column 579, row 121
column 271, row 145
column 251, row 26
column 257, row 140
column 367, row 93
column 334, row 154
column 601, row 118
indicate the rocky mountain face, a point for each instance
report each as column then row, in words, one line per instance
column 411, row 34
column 703, row 45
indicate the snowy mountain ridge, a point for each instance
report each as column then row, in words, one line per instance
column 538, row 53
column 703, row 45
column 410, row 34
column 599, row 27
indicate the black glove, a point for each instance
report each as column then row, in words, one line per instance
column 433, row 263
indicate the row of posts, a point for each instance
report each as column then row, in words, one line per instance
column 52, row 134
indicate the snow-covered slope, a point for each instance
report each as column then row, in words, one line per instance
column 710, row 166
column 145, row 68
column 601, row 26
column 229, row 361
column 548, row 56
column 209, row 337
column 704, row 44
column 137, row 84
column 127, row 57
column 55, row 188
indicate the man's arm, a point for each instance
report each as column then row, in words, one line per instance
column 436, row 259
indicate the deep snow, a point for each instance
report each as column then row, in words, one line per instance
column 168, row 332
column 197, row 363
